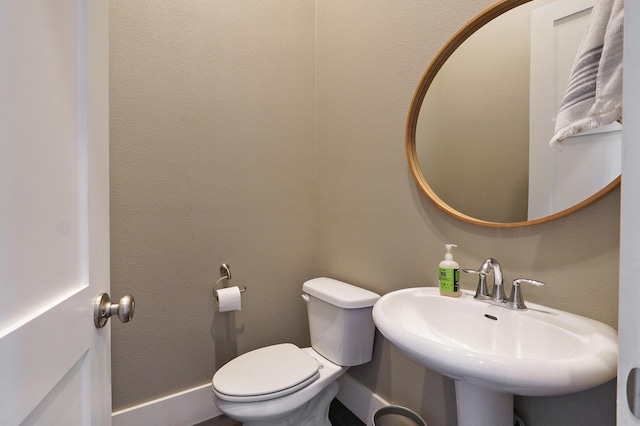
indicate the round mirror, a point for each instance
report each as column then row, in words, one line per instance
column 482, row 116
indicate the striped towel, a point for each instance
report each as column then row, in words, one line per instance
column 594, row 95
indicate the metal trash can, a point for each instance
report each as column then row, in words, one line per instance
column 394, row 415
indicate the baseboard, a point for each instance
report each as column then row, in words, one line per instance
column 196, row 405
column 184, row 408
column 359, row 399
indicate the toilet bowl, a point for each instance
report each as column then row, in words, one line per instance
column 301, row 406
column 283, row 385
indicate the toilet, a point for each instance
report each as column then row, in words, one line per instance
column 283, row 385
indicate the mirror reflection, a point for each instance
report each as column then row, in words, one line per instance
column 483, row 128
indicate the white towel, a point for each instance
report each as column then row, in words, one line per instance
column 594, row 95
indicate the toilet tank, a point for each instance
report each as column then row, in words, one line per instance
column 340, row 320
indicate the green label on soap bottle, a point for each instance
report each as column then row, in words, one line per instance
column 449, row 279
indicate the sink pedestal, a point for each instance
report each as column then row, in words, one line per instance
column 477, row 405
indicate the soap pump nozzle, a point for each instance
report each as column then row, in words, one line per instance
column 448, row 255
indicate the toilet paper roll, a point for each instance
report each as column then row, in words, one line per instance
column 229, row 299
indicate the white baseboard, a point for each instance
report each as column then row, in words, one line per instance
column 359, row 399
column 180, row 409
column 196, row 405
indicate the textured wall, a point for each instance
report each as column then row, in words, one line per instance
column 377, row 230
column 214, row 159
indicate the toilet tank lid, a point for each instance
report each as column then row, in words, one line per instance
column 339, row 293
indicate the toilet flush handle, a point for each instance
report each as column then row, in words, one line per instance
column 306, row 297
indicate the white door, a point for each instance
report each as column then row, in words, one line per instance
column 54, row 212
column 588, row 162
column 629, row 314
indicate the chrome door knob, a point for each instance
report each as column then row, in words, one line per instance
column 103, row 309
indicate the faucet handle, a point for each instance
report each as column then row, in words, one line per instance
column 482, row 292
column 516, row 301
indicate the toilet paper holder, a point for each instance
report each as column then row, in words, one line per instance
column 225, row 274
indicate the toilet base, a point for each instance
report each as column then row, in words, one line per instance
column 314, row 413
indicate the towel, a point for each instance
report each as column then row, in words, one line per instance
column 594, row 95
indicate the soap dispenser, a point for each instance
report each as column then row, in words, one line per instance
column 449, row 274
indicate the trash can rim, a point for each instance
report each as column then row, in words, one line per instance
column 399, row 410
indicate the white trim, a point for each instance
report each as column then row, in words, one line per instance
column 196, row 405
column 359, row 399
column 183, row 408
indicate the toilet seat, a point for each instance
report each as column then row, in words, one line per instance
column 265, row 373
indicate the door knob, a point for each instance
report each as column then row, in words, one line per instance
column 103, row 309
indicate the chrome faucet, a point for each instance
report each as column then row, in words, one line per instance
column 516, row 301
column 497, row 291
column 497, row 296
column 482, row 292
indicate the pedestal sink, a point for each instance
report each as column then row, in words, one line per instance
column 493, row 352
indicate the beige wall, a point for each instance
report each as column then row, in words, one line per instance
column 219, row 154
column 486, row 121
column 212, row 161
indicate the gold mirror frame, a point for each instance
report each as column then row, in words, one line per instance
column 410, row 143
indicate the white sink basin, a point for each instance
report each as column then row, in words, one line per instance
column 540, row 351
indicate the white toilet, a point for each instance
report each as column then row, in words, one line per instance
column 283, row 385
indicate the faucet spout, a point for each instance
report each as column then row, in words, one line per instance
column 497, row 292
